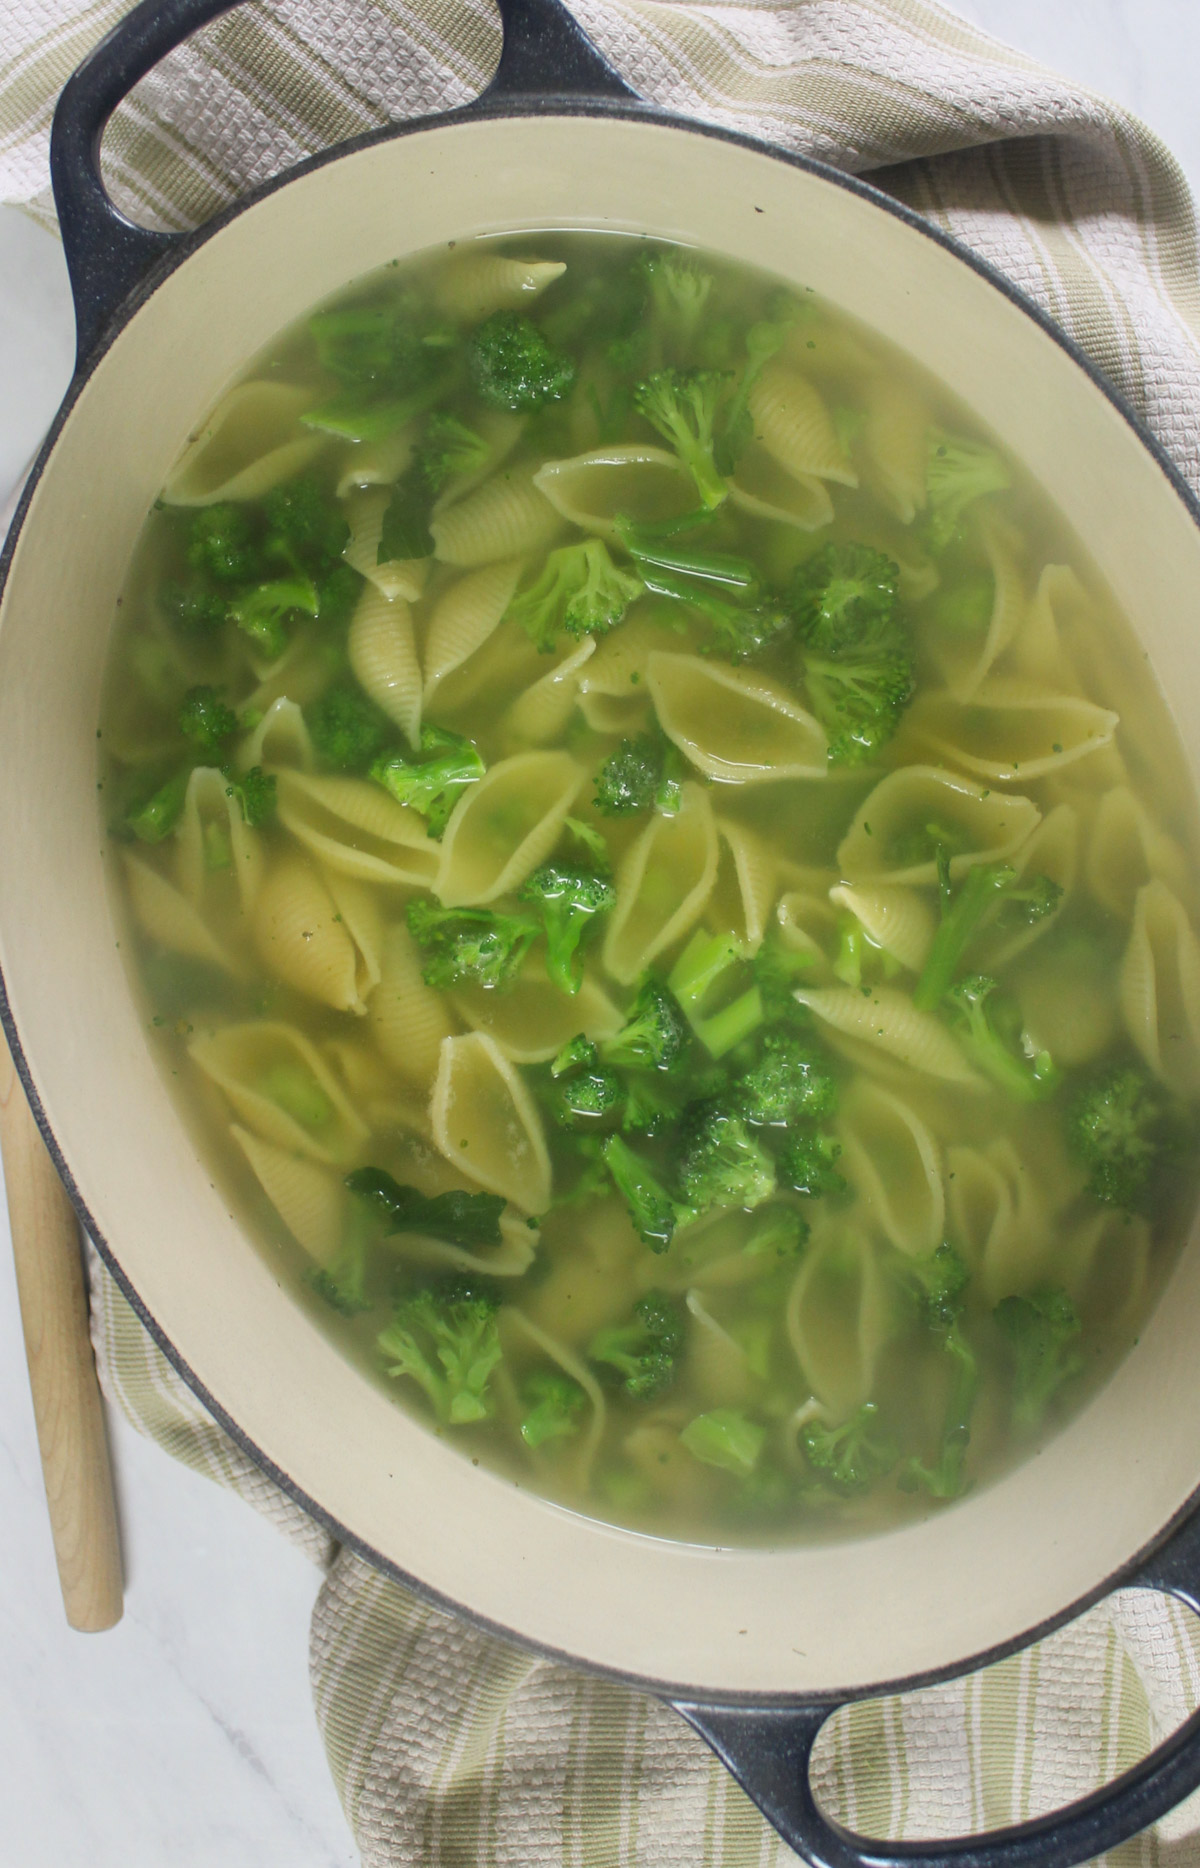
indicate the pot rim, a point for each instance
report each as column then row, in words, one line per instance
column 183, row 246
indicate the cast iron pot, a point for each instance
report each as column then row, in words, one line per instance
column 754, row 1648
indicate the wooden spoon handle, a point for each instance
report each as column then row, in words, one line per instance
column 62, row 1373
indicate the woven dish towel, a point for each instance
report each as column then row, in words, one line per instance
column 449, row 1748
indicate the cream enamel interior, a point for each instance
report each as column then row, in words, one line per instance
column 839, row 1616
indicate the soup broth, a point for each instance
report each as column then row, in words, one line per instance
column 662, row 886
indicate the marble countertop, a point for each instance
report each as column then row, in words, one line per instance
column 185, row 1738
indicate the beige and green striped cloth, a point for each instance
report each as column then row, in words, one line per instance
column 450, row 1748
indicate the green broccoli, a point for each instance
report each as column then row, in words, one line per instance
column 683, row 408
column 641, row 775
column 194, row 608
column 986, row 1031
column 432, row 785
column 705, row 982
column 206, row 720
column 763, row 340
column 656, row 548
column 513, row 365
column 304, row 527
column 338, row 591
column 153, row 818
column 1041, row 1329
column 792, row 1081
column 450, row 449
column 553, row 1407
column 645, row 1351
column 679, row 292
column 589, row 1099
column 653, row 1035
column 262, row 612
column 721, row 1163
column 726, row 1438
column 652, row 1101
column 347, row 729
column 851, row 1456
column 466, row 1219
column 1119, row 1127
column 654, row 1213
column 938, row 1283
column 957, row 473
column 384, row 345
column 777, row 970
column 776, row 1231
column 221, row 542
column 855, row 653
column 569, row 899
column 808, row 1163
column 1026, row 899
column 404, row 530
column 256, row 792
column 469, row 946
column 859, row 960
column 343, row 1282
column 578, row 589
column 444, row 1337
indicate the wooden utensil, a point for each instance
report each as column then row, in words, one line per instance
column 62, row 1372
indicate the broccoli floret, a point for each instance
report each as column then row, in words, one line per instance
column 553, row 1407
column 513, row 364
column 641, row 775
column 855, row 653
column 1118, row 1126
column 221, row 542
column 726, row 1438
column 449, row 449
column 390, row 346
column 347, row 729
column 651, row 1102
column 777, row 1232
column 206, row 720
column 938, row 1283
column 338, row 592
column 261, row 613
column 469, row 946
column 721, row 1163
column 1041, row 1329
column 683, row 406
column 589, row 1099
column 985, row 1030
column 578, row 589
column 343, row 1282
column 193, row 608
column 466, row 1219
column 304, row 526
column 653, row 1035
column 445, row 1338
column 852, row 1456
column 705, row 981
column 256, row 792
column 743, row 634
column 432, row 785
column 777, row 971
column 1025, row 899
column 792, row 1081
column 645, row 1351
column 679, row 292
column 569, row 900
column 155, row 817
column 957, row 473
column 808, row 1164
column 404, row 529
column 654, row 1213
column 737, row 427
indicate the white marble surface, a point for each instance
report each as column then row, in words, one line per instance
column 185, row 1738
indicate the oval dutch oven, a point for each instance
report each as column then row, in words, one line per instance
column 754, row 1647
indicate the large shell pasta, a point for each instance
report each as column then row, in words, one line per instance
column 1126, row 849
column 593, row 490
column 663, row 883
column 839, row 1318
column 383, row 656
column 746, row 884
column 471, row 285
column 310, row 1200
column 762, row 487
column 485, row 1122
column 302, row 938
column 504, row 826
column 542, row 711
column 1160, row 988
column 464, row 617
column 357, row 829
column 281, row 737
column 733, row 725
column 893, row 1163
column 964, row 660
column 273, row 1078
column 887, row 1020
column 214, row 840
column 393, row 577
column 891, row 840
column 169, row 918
column 407, row 1017
column 250, row 442
column 1010, row 732
column 898, row 920
column 896, row 445
column 794, row 425
column 504, row 518
column 1001, row 1217
column 532, row 1020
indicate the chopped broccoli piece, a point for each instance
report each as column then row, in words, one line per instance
column 777, row 1231
column 721, row 1163
column 346, row 728
column 652, row 1102
column 645, row 1351
column 569, row 900
column 449, row 449
column 939, row 1284
column 262, row 612
column 792, row 1081
column 743, row 634
column 466, row 1219
column 723, row 587
column 852, row 1456
column 193, row 608
column 957, row 473
column 737, row 428
column 855, row 653
column 1026, row 899
column 221, row 542
column 724, row 1437
column 776, row 971
column 704, row 981
column 654, row 1213
column 445, row 1338
column 653, row 1034
column 657, row 548
column 343, row 1282
column 1118, row 1127
column 578, row 589
column 513, row 364
column 641, row 775
column 404, row 532
column 587, row 1099
column 679, row 292
column 859, row 959
column 808, row 1164
column 304, row 526
column 553, row 1407
column 469, row 946
column 255, row 791
column 432, row 785
column 985, row 1030
column 1041, row 1329
column 683, row 406
column 338, row 592
column 206, row 720
column 155, row 817
column 592, row 841
column 390, row 346
column 579, row 1053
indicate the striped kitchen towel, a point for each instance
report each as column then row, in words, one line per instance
column 450, row 1748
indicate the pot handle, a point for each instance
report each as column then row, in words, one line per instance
column 545, row 57
column 769, row 1751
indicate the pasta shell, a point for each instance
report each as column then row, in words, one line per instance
column 610, row 713
column 1067, row 1006
column 302, row 941
column 793, row 424
column 1059, row 605
column 485, row 1122
column 362, row 918
column 592, row 490
column 500, row 430
column 473, row 285
column 357, row 829
column 506, row 517
column 213, row 838
column 747, row 878
column 1105, row 1266
column 408, row 1018
column 1000, row 1218
column 1008, row 731
column 169, row 918
column 310, row 1200
column 964, row 662
column 504, row 826
column 895, row 442
column 718, row 1366
column 543, row 710
column 280, row 738
column 892, row 1161
column 889, row 1021
column 396, row 577
column 300, row 673
column 760, row 486
column 1160, row 988
column 383, row 656
column 376, row 463
column 896, row 919
column 806, row 923
column 1127, row 849
column 884, row 843
column 838, row 1317
column 514, row 1323
column 275, row 1080
column 663, row 882
column 463, row 618
column 733, row 725
column 511, row 1259
column 531, row 1020
column 250, row 442
column 619, row 666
